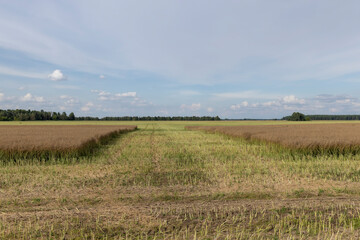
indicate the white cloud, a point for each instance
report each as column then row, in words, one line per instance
column 343, row 101
column 195, row 106
column 125, row 99
column 238, row 106
column 127, row 94
column 39, row 99
column 64, row 96
column 27, row 36
column 192, row 107
column 101, row 76
column 271, row 103
column 191, row 48
column 87, row 107
column 287, row 102
column 103, row 95
column 1, row 96
column 246, row 95
column 66, row 87
column 321, row 104
column 57, row 75
column 140, row 103
column 27, row 97
column 292, row 99
column 68, row 100
column 30, row 98
column 210, row 109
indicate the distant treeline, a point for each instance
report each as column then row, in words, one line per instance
column 296, row 116
column 31, row 115
column 148, row 118
column 334, row 117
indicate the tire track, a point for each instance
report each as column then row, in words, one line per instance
column 154, row 150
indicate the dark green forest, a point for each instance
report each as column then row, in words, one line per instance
column 31, row 115
column 296, row 116
column 334, row 117
column 149, row 118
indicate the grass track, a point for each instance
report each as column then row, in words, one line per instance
column 165, row 182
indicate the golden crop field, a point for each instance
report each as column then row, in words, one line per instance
column 166, row 182
column 44, row 141
column 308, row 138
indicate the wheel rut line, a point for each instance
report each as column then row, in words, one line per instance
column 154, row 151
column 133, row 209
column 308, row 203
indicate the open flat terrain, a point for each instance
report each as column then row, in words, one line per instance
column 52, row 137
column 19, row 141
column 163, row 181
column 312, row 138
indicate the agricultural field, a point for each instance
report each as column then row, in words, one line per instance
column 45, row 142
column 164, row 181
column 309, row 138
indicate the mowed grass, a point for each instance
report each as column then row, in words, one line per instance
column 166, row 182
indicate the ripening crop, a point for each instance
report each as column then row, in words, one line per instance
column 307, row 138
column 45, row 142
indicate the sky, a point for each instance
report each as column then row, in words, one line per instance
column 235, row 59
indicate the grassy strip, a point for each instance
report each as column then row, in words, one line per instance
column 87, row 148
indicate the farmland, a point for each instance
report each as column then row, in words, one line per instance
column 54, row 141
column 309, row 138
column 166, row 182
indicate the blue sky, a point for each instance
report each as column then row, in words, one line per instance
column 235, row 59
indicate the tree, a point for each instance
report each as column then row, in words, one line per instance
column 71, row 116
column 63, row 116
column 296, row 116
column 55, row 116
